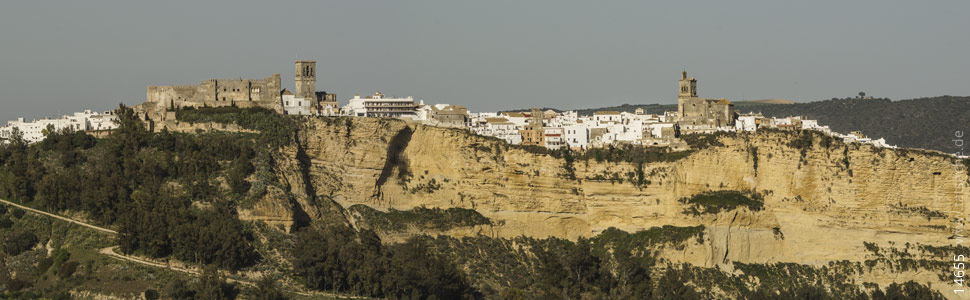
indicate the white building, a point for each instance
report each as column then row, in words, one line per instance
column 576, row 136
column 656, row 130
column 378, row 105
column 498, row 127
column 33, row 131
column 517, row 118
column 554, row 137
column 293, row 105
column 746, row 123
column 603, row 117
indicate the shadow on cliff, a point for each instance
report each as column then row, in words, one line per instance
column 395, row 159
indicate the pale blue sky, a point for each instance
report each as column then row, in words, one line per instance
column 488, row 55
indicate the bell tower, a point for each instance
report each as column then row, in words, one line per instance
column 306, row 79
column 688, row 86
column 688, row 91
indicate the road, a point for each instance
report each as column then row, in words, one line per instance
column 110, row 252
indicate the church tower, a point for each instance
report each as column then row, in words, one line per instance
column 306, row 79
column 688, row 91
column 688, row 86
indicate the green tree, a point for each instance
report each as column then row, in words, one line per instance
column 213, row 286
column 267, row 289
column 19, row 241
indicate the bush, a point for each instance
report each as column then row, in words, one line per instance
column 151, row 294
column 700, row 141
column 713, row 202
column 630, row 153
column 267, row 289
column 67, row 269
column 19, row 241
column 420, row 217
column 342, row 259
column 275, row 129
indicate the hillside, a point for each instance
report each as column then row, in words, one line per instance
column 384, row 208
column 927, row 123
column 656, row 108
column 765, row 101
column 647, row 108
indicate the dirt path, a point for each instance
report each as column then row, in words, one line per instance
column 102, row 229
column 110, row 251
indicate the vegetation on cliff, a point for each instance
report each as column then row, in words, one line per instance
column 273, row 129
column 418, row 217
column 713, row 202
column 174, row 195
column 339, row 258
column 145, row 185
column 613, row 265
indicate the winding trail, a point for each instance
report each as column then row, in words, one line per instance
column 110, row 252
column 40, row 212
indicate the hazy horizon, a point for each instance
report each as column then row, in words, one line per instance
column 488, row 56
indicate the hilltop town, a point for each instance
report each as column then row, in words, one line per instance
column 245, row 179
column 549, row 129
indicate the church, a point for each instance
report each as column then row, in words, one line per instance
column 701, row 114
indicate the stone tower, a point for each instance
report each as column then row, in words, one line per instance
column 688, row 87
column 306, row 79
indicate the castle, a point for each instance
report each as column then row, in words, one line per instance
column 160, row 101
column 700, row 114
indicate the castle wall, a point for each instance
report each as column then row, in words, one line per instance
column 218, row 92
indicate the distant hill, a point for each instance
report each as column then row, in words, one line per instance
column 927, row 123
column 655, row 108
column 647, row 108
column 764, row 101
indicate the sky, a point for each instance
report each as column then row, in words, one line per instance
column 58, row 57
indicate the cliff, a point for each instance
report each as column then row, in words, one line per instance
column 823, row 200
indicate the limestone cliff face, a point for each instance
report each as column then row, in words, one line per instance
column 820, row 204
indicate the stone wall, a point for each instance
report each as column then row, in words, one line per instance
column 218, row 92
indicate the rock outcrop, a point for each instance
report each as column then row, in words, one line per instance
column 822, row 199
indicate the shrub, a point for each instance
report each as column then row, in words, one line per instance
column 700, row 141
column 19, row 241
column 632, row 154
column 275, row 129
column 712, row 202
column 421, row 217
column 67, row 269
column 151, row 294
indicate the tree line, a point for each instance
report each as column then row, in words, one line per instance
column 144, row 184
